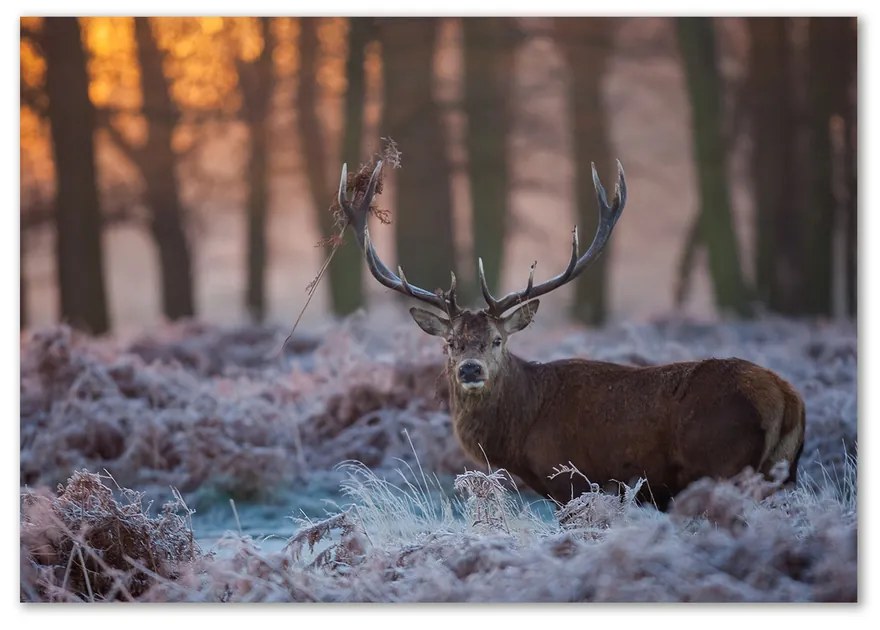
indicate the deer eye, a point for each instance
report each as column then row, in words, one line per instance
column 496, row 342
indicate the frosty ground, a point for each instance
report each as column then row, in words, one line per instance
column 356, row 413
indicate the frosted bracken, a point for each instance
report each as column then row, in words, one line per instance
column 197, row 407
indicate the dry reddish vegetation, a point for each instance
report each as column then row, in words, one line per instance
column 194, row 407
column 107, row 548
column 203, row 406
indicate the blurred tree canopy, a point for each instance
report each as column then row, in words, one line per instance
column 119, row 119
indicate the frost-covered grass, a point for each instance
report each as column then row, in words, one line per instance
column 736, row 540
column 215, row 413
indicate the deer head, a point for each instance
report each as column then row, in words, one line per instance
column 476, row 340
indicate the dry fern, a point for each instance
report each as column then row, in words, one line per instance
column 84, row 544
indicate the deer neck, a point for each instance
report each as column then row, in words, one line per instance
column 494, row 425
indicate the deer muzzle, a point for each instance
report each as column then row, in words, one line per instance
column 471, row 374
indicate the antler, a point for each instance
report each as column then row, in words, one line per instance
column 608, row 216
column 357, row 219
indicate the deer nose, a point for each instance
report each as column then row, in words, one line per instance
column 470, row 371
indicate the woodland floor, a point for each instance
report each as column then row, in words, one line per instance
column 217, row 414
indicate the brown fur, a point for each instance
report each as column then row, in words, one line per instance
column 672, row 424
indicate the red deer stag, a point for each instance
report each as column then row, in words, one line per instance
column 671, row 424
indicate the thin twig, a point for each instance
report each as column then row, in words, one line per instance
column 312, row 288
column 67, row 573
column 391, row 154
column 85, row 572
column 80, row 544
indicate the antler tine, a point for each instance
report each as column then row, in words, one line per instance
column 531, row 276
column 406, row 286
column 357, row 219
column 608, row 216
column 371, row 187
column 575, row 247
column 620, row 189
column 342, row 194
column 484, row 287
column 451, row 301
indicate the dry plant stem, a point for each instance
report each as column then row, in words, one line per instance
column 391, row 154
column 85, row 571
column 313, row 286
column 235, row 513
column 80, row 545
column 67, row 573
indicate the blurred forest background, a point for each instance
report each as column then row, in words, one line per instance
column 184, row 167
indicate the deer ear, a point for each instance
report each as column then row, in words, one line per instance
column 429, row 322
column 520, row 318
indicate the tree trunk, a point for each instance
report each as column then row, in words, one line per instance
column 696, row 38
column 832, row 65
column 849, row 165
column 779, row 226
column 348, row 256
column 423, row 217
column 587, row 44
column 160, row 177
column 309, row 126
column 360, row 33
column 256, row 80
column 488, row 65
column 851, row 170
column 344, row 273
column 79, row 256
